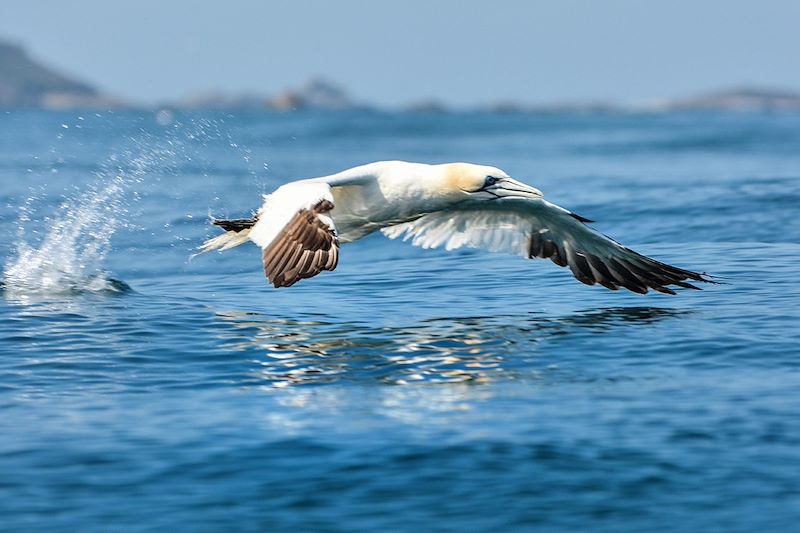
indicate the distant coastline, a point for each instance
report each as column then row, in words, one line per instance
column 27, row 83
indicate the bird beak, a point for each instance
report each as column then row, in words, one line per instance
column 511, row 188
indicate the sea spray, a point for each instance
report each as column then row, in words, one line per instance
column 76, row 240
column 73, row 242
column 62, row 253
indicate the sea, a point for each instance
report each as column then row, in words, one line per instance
column 143, row 388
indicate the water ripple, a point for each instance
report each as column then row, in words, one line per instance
column 474, row 349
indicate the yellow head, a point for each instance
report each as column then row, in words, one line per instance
column 482, row 182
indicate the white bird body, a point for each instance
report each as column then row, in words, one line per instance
column 301, row 224
column 374, row 196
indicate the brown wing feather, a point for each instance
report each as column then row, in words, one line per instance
column 305, row 247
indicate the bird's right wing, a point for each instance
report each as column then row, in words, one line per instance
column 296, row 235
column 538, row 228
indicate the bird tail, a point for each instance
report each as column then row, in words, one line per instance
column 236, row 232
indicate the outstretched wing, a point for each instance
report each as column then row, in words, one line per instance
column 537, row 228
column 296, row 235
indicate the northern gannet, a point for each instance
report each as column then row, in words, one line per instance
column 302, row 224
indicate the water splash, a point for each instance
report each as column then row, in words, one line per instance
column 69, row 258
column 70, row 246
column 63, row 253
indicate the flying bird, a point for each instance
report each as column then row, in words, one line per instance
column 301, row 225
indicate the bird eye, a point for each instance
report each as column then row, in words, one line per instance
column 490, row 180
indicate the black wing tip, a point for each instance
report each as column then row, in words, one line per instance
column 236, row 225
column 705, row 277
column 632, row 271
column 580, row 218
column 662, row 278
column 701, row 277
column 686, row 280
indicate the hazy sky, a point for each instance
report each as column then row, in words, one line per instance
column 463, row 52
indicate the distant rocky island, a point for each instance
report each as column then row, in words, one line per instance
column 742, row 99
column 25, row 82
column 315, row 94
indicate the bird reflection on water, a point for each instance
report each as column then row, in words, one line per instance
column 440, row 350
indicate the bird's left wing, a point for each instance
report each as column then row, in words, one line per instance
column 538, row 228
column 296, row 235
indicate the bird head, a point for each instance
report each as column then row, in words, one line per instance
column 480, row 182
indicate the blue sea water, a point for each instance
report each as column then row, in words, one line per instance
column 142, row 389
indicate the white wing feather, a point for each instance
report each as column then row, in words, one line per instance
column 496, row 231
column 501, row 226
